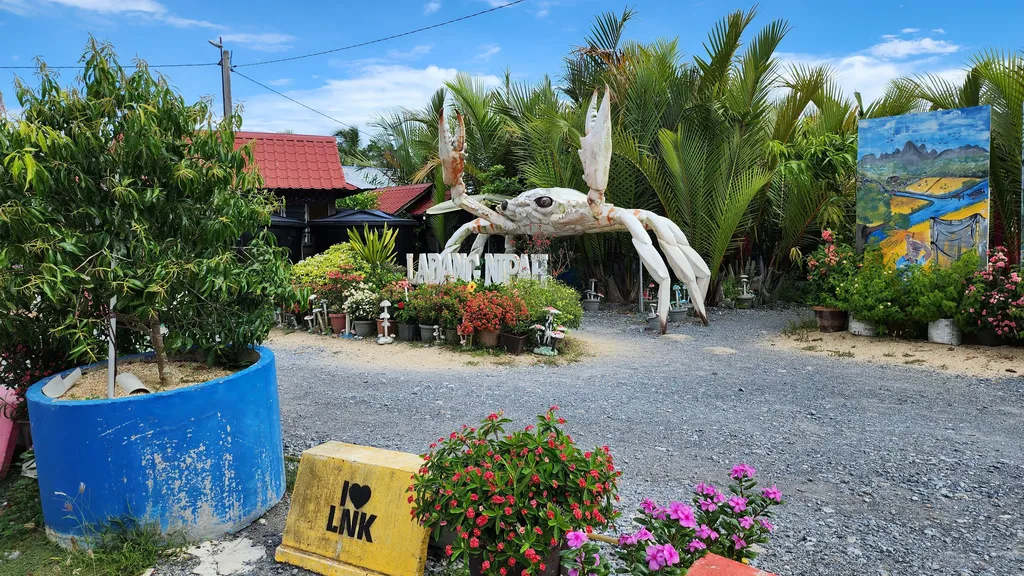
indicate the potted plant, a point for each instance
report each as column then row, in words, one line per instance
column 732, row 523
column 339, row 283
column 485, row 313
column 592, row 298
column 680, row 307
column 363, row 305
column 510, row 497
column 451, row 304
column 142, row 228
column 935, row 295
column 876, row 296
column 424, row 307
column 992, row 308
column 518, row 327
column 829, row 270
column 398, row 294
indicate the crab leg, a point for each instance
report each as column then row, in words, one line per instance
column 479, row 244
column 452, row 153
column 685, row 262
column 596, row 150
column 653, row 261
column 475, row 226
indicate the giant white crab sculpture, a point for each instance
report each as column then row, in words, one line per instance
column 567, row 212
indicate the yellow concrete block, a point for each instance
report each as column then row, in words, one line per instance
column 350, row 514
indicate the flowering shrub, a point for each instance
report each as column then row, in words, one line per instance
column 670, row 539
column 361, row 303
column 339, row 283
column 401, row 309
column 490, row 310
column 538, row 295
column 829, row 270
column 994, row 298
column 441, row 304
column 510, row 497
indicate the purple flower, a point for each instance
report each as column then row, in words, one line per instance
column 719, row 498
column 682, row 513
column 660, row 513
column 574, row 572
column 670, row 554
column 738, row 503
column 767, row 525
column 627, row 539
column 696, row 545
column 741, row 471
column 772, row 493
column 708, row 505
column 746, row 522
column 648, row 506
column 655, row 557
column 576, row 539
column 706, row 533
column 643, row 534
column 738, row 541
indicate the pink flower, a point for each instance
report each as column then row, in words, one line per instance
column 741, row 471
column 738, row 503
column 746, row 522
column 767, row 525
column 661, row 555
column 738, row 541
column 648, row 506
column 826, row 235
column 772, row 493
column 708, row 505
column 706, row 533
column 576, row 539
column 696, row 545
column 682, row 513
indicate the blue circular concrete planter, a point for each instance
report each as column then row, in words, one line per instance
column 202, row 460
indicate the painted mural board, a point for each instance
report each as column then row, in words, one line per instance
column 923, row 185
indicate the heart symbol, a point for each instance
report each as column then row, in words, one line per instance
column 359, row 495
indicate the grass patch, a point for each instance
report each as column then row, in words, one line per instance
column 804, row 325
column 291, row 470
column 840, row 353
column 124, row 548
column 572, row 351
column 915, row 361
column 889, row 355
column 811, row 348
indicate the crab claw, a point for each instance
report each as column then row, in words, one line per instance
column 452, row 152
column 596, row 145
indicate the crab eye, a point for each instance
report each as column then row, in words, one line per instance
column 544, row 201
column 504, row 205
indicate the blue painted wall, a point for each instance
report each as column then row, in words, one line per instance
column 206, row 459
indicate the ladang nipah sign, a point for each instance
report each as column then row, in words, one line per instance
column 497, row 268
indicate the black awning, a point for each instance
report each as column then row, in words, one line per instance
column 364, row 217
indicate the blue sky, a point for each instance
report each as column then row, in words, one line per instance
column 868, row 41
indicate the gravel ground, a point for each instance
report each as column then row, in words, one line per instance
column 886, row 469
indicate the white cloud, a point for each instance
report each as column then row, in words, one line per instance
column 496, row 3
column 910, row 30
column 938, row 30
column 412, row 54
column 869, row 75
column 189, row 22
column 115, row 6
column 889, row 36
column 903, row 48
column 357, row 100
column 14, row 6
column 280, row 82
column 266, row 42
column 487, row 51
column 431, row 7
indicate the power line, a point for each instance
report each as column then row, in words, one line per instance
column 131, row 66
column 392, row 37
column 310, row 108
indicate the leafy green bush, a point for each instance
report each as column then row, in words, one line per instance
column 374, row 256
column 119, row 188
column 935, row 293
column 878, row 294
column 537, row 295
column 313, row 271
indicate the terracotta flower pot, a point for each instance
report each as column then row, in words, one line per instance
column 830, row 319
column 488, row 338
column 392, row 328
column 337, row 323
column 514, row 344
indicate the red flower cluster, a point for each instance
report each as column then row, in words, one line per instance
column 488, row 310
column 511, row 496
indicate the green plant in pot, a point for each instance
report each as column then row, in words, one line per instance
column 878, row 294
column 510, row 497
column 400, row 293
column 363, row 306
column 339, row 283
column 829, row 270
column 935, row 295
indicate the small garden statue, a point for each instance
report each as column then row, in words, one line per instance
column 592, row 298
column 385, row 337
column 680, row 305
column 745, row 297
column 548, row 333
column 438, row 338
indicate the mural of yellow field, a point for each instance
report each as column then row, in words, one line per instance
column 904, row 205
column 938, row 186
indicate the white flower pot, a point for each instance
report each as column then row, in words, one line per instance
column 944, row 331
column 859, row 328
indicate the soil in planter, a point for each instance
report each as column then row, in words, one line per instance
column 179, row 373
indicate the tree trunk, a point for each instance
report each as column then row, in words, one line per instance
column 157, row 339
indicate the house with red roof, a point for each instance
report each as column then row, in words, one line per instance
column 302, row 169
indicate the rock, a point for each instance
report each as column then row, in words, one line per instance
column 719, row 350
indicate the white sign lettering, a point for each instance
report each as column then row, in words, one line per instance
column 497, row 268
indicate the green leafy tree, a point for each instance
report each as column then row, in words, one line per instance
column 117, row 188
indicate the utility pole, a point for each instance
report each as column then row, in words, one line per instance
column 225, row 74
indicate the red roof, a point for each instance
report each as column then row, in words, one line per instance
column 296, row 161
column 395, row 199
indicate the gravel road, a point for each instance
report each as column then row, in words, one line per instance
column 886, row 469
